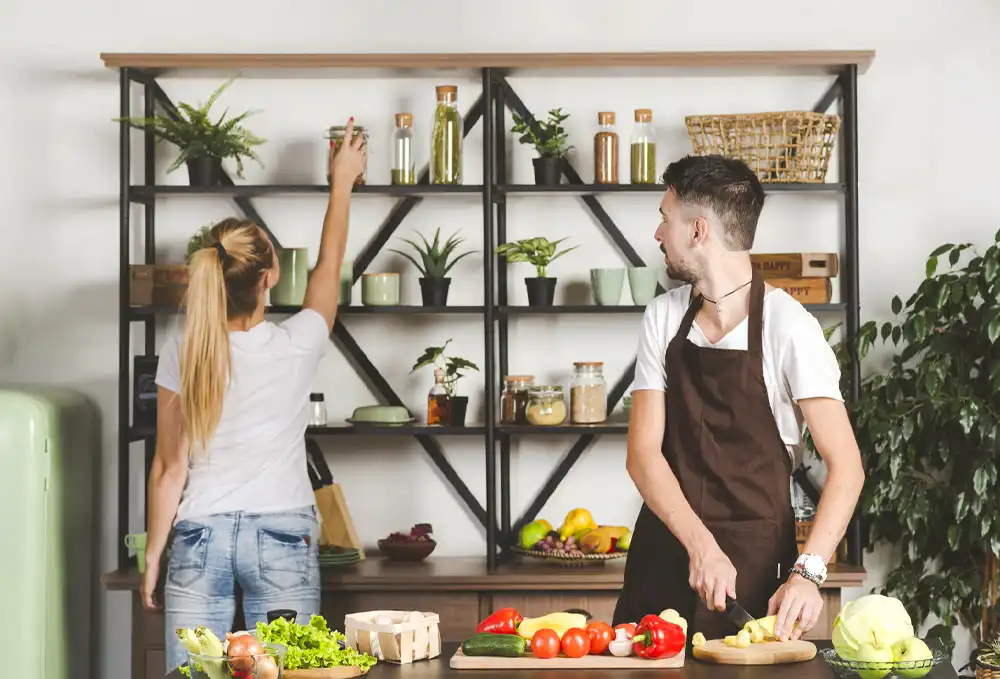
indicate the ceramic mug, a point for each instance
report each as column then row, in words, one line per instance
column 346, row 283
column 380, row 289
column 642, row 284
column 606, row 285
column 291, row 287
column 137, row 541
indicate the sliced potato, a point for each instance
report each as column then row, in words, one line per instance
column 743, row 639
column 730, row 640
column 698, row 639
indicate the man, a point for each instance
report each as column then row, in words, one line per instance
column 727, row 370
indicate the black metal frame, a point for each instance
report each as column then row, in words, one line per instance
column 497, row 96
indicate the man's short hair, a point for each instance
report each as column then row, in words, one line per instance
column 725, row 185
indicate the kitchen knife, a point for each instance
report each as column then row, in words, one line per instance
column 741, row 618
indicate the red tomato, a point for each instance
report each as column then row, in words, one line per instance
column 601, row 634
column 629, row 628
column 575, row 643
column 545, row 643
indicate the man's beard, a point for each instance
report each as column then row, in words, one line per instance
column 678, row 272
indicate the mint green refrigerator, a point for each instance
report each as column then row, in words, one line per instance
column 49, row 462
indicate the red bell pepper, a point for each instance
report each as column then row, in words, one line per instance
column 503, row 621
column 656, row 638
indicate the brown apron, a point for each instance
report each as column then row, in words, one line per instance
column 723, row 444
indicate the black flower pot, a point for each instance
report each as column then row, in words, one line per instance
column 548, row 171
column 434, row 291
column 459, row 405
column 204, row 171
column 541, row 291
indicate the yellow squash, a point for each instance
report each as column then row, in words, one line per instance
column 559, row 622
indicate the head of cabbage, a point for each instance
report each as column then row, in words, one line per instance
column 873, row 619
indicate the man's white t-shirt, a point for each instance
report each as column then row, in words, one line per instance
column 256, row 459
column 799, row 363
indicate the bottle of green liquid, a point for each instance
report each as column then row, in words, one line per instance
column 643, row 148
column 446, row 138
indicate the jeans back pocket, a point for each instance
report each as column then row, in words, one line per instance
column 284, row 556
column 188, row 554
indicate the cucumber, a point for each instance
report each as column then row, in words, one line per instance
column 504, row 645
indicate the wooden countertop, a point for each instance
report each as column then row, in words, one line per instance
column 693, row 669
column 457, row 574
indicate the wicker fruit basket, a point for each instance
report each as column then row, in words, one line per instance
column 563, row 559
column 782, row 148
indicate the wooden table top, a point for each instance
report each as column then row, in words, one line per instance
column 693, row 669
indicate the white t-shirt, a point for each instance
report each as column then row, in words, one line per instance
column 256, row 459
column 798, row 361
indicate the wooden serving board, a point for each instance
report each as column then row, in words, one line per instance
column 764, row 653
column 344, row 672
column 460, row 661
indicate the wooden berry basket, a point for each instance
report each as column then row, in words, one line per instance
column 563, row 559
column 408, row 636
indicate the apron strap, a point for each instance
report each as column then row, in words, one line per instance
column 755, row 320
column 688, row 320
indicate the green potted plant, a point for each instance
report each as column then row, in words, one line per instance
column 540, row 252
column 436, row 260
column 452, row 366
column 549, row 139
column 203, row 144
column 928, row 428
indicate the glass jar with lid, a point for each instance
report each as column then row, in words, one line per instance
column 588, row 393
column 404, row 168
column 336, row 136
column 546, row 405
column 514, row 400
column 446, row 137
column 643, row 148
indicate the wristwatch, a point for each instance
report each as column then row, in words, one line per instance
column 812, row 567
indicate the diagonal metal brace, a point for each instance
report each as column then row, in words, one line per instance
column 429, row 443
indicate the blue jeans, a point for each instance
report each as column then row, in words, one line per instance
column 273, row 556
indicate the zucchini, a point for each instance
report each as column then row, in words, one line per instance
column 503, row 645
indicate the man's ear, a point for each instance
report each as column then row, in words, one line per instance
column 699, row 231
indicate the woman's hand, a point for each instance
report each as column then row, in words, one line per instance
column 148, row 587
column 350, row 160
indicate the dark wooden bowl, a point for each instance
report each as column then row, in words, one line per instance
column 406, row 551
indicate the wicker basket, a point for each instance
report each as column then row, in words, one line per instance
column 784, row 147
column 985, row 670
column 569, row 560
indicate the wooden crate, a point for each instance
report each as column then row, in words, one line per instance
column 160, row 285
column 806, row 290
column 797, row 264
column 394, row 636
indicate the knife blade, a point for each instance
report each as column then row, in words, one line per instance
column 741, row 618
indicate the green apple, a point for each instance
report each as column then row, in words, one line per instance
column 912, row 649
column 879, row 656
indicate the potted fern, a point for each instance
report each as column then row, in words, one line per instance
column 540, row 252
column 436, row 260
column 203, row 144
column 549, row 139
column 454, row 411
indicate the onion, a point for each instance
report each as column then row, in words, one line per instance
column 242, row 648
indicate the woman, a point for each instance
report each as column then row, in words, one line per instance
column 229, row 474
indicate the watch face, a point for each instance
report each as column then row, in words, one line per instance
column 813, row 564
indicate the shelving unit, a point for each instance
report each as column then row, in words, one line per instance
column 490, row 108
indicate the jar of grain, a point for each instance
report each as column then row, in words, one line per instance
column 514, row 399
column 588, row 393
column 336, row 136
column 606, row 150
column 546, row 405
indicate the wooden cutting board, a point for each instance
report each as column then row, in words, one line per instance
column 460, row 661
column 764, row 653
column 345, row 672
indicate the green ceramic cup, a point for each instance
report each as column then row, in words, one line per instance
column 607, row 285
column 380, row 289
column 346, row 283
column 137, row 541
column 642, row 283
column 291, row 287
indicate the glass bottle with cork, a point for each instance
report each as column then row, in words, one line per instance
column 438, row 401
column 643, row 148
column 606, row 150
column 404, row 169
column 446, row 138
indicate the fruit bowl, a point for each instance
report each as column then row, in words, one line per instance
column 416, row 545
column 559, row 558
column 909, row 669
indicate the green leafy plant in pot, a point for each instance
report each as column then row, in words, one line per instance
column 549, row 139
column 453, row 367
column 928, row 428
column 541, row 253
column 436, row 260
column 203, row 144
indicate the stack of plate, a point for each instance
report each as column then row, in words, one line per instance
column 330, row 557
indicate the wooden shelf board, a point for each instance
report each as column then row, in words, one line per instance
column 595, row 189
column 565, row 429
column 802, row 60
column 143, row 192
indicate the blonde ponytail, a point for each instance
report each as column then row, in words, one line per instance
column 204, row 355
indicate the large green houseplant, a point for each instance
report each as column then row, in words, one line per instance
column 436, row 260
column 929, row 430
column 203, row 144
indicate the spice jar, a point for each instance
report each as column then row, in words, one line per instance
column 514, row 399
column 317, row 418
column 546, row 405
column 606, row 150
column 446, row 137
column 588, row 393
column 336, row 136
column 643, row 148
column 404, row 169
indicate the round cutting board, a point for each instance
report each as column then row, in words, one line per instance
column 764, row 653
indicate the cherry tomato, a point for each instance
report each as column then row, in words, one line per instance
column 575, row 643
column 601, row 634
column 629, row 628
column 545, row 643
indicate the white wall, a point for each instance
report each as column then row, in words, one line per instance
column 925, row 170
